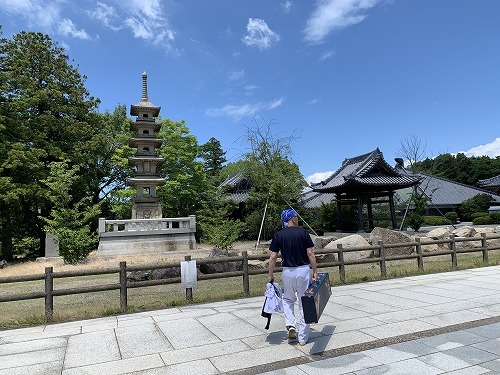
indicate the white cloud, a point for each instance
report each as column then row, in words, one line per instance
column 491, row 149
column 286, row 6
column 236, row 75
column 40, row 14
column 143, row 18
column 314, row 101
column 259, row 34
column 326, row 55
column 318, row 177
column 68, row 28
column 332, row 15
column 237, row 112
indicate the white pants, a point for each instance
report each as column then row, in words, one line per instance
column 295, row 283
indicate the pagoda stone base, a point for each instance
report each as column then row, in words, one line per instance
column 146, row 211
column 153, row 244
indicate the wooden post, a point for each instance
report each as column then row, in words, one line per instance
column 189, row 291
column 246, row 276
column 485, row 248
column 420, row 259
column 341, row 264
column 49, row 296
column 383, row 268
column 123, row 286
column 453, row 248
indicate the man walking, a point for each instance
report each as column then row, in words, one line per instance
column 297, row 254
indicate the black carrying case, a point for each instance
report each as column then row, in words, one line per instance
column 316, row 297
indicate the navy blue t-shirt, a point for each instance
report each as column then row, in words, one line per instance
column 293, row 243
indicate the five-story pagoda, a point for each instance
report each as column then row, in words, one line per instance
column 146, row 160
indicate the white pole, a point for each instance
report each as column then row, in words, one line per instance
column 262, row 224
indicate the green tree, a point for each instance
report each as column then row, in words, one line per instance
column 478, row 203
column 69, row 220
column 185, row 187
column 47, row 115
column 213, row 156
column 276, row 181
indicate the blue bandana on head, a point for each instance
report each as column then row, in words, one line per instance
column 287, row 215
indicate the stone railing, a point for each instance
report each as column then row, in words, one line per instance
column 142, row 227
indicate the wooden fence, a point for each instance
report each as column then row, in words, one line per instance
column 123, row 285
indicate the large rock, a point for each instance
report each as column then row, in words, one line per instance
column 350, row 242
column 439, row 233
column 389, row 236
column 432, row 247
column 320, row 242
column 465, row 231
column 220, row 267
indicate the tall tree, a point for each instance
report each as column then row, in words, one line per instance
column 276, row 180
column 47, row 116
column 213, row 156
column 184, row 189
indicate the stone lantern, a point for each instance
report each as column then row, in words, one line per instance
column 145, row 160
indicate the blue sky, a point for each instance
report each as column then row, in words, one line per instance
column 344, row 76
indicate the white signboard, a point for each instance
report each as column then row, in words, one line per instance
column 189, row 275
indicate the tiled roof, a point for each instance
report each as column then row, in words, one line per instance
column 365, row 172
column 444, row 192
column 490, row 182
column 238, row 187
column 312, row 199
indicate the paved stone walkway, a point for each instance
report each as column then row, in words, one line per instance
column 447, row 323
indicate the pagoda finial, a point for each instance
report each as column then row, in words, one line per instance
column 144, row 86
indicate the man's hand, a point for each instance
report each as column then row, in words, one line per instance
column 315, row 276
column 270, row 279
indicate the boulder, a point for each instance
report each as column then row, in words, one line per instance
column 389, row 236
column 166, row 273
column 139, row 276
column 348, row 242
column 321, row 242
column 439, row 233
column 497, row 229
column 220, row 267
column 3, row 263
column 432, row 247
column 325, row 258
column 465, row 231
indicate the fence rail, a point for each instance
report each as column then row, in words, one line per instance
column 123, row 284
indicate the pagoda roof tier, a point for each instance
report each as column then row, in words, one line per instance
column 145, row 104
column 134, row 142
column 146, row 181
column 155, row 126
column 145, row 159
column 365, row 173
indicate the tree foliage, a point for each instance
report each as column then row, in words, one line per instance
column 276, row 181
column 186, row 182
column 47, row 115
column 213, row 157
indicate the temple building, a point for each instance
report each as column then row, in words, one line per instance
column 365, row 181
column 145, row 160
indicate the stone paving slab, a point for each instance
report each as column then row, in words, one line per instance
column 428, row 324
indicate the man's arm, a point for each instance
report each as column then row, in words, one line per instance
column 272, row 263
column 312, row 261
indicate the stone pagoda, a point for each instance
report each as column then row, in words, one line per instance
column 146, row 160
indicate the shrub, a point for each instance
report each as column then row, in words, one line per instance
column 435, row 220
column 451, row 216
column 223, row 234
column 414, row 221
column 482, row 220
column 495, row 216
column 479, row 214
